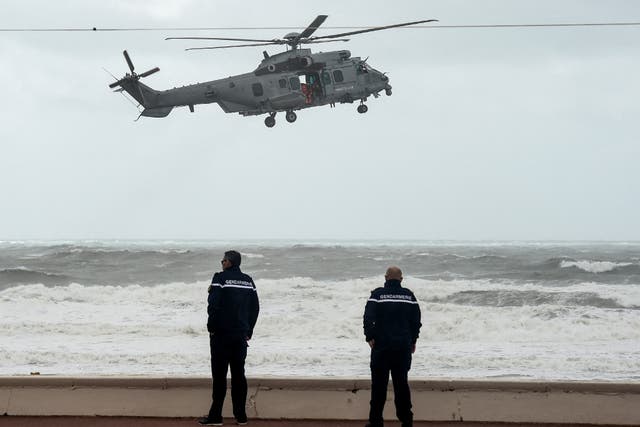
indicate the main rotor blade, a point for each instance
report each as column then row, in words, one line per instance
column 324, row 41
column 231, row 46
column 313, row 26
column 219, row 38
column 149, row 72
column 126, row 56
column 368, row 30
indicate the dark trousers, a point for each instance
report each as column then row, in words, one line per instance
column 225, row 352
column 396, row 361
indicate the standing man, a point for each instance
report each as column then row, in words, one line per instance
column 391, row 327
column 233, row 311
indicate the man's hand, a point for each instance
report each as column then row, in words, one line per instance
column 372, row 343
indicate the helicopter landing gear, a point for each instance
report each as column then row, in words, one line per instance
column 270, row 121
column 387, row 92
column 291, row 116
column 362, row 108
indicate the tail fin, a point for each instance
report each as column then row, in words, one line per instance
column 142, row 93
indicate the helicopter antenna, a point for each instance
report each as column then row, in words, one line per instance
column 109, row 72
column 137, row 106
column 121, row 90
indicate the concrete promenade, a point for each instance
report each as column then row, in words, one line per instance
column 141, row 401
column 192, row 422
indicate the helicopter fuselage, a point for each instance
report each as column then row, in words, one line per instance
column 287, row 81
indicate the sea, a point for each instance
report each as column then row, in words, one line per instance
column 490, row 310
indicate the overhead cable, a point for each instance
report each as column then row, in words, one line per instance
column 114, row 29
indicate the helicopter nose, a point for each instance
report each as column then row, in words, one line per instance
column 384, row 78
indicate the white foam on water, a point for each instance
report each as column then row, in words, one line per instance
column 252, row 255
column 314, row 328
column 594, row 266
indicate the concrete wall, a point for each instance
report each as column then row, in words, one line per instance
column 306, row 398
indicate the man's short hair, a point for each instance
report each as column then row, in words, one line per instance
column 393, row 273
column 234, row 257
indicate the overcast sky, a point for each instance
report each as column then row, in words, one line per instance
column 504, row 134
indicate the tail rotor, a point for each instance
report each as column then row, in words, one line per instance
column 133, row 76
column 129, row 62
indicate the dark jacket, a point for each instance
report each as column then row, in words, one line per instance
column 392, row 316
column 232, row 304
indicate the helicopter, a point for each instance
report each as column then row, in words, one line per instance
column 284, row 82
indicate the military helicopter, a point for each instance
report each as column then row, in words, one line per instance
column 285, row 82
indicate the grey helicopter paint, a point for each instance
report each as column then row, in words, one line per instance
column 285, row 82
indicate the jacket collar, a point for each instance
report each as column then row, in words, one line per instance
column 233, row 268
column 393, row 283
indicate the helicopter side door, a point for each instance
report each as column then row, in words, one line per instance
column 287, row 93
column 312, row 88
column 344, row 85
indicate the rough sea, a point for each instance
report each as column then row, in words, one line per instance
column 513, row 310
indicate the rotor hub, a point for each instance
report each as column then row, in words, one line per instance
column 292, row 36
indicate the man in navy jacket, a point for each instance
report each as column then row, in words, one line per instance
column 391, row 327
column 233, row 311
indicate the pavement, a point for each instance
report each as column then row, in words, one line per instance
column 60, row 421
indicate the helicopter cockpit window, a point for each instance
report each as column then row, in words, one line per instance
column 282, row 83
column 257, row 89
column 295, row 83
column 326, row 77
column 337, row 76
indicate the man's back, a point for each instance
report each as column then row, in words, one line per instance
column 392, row 316
column 232, row 304
column 391, row 326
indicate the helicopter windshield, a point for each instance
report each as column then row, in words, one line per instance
column 363, row 67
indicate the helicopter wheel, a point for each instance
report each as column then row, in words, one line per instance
column 387, row 92
column 362, row 108
column 291, row 116
column 270, row 121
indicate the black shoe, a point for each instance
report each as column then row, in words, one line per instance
column 210, row 421
column 242, row 421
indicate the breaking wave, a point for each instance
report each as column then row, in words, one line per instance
column 594, row 266
column 23, row 275
column 515, row 298
column 524, row 310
